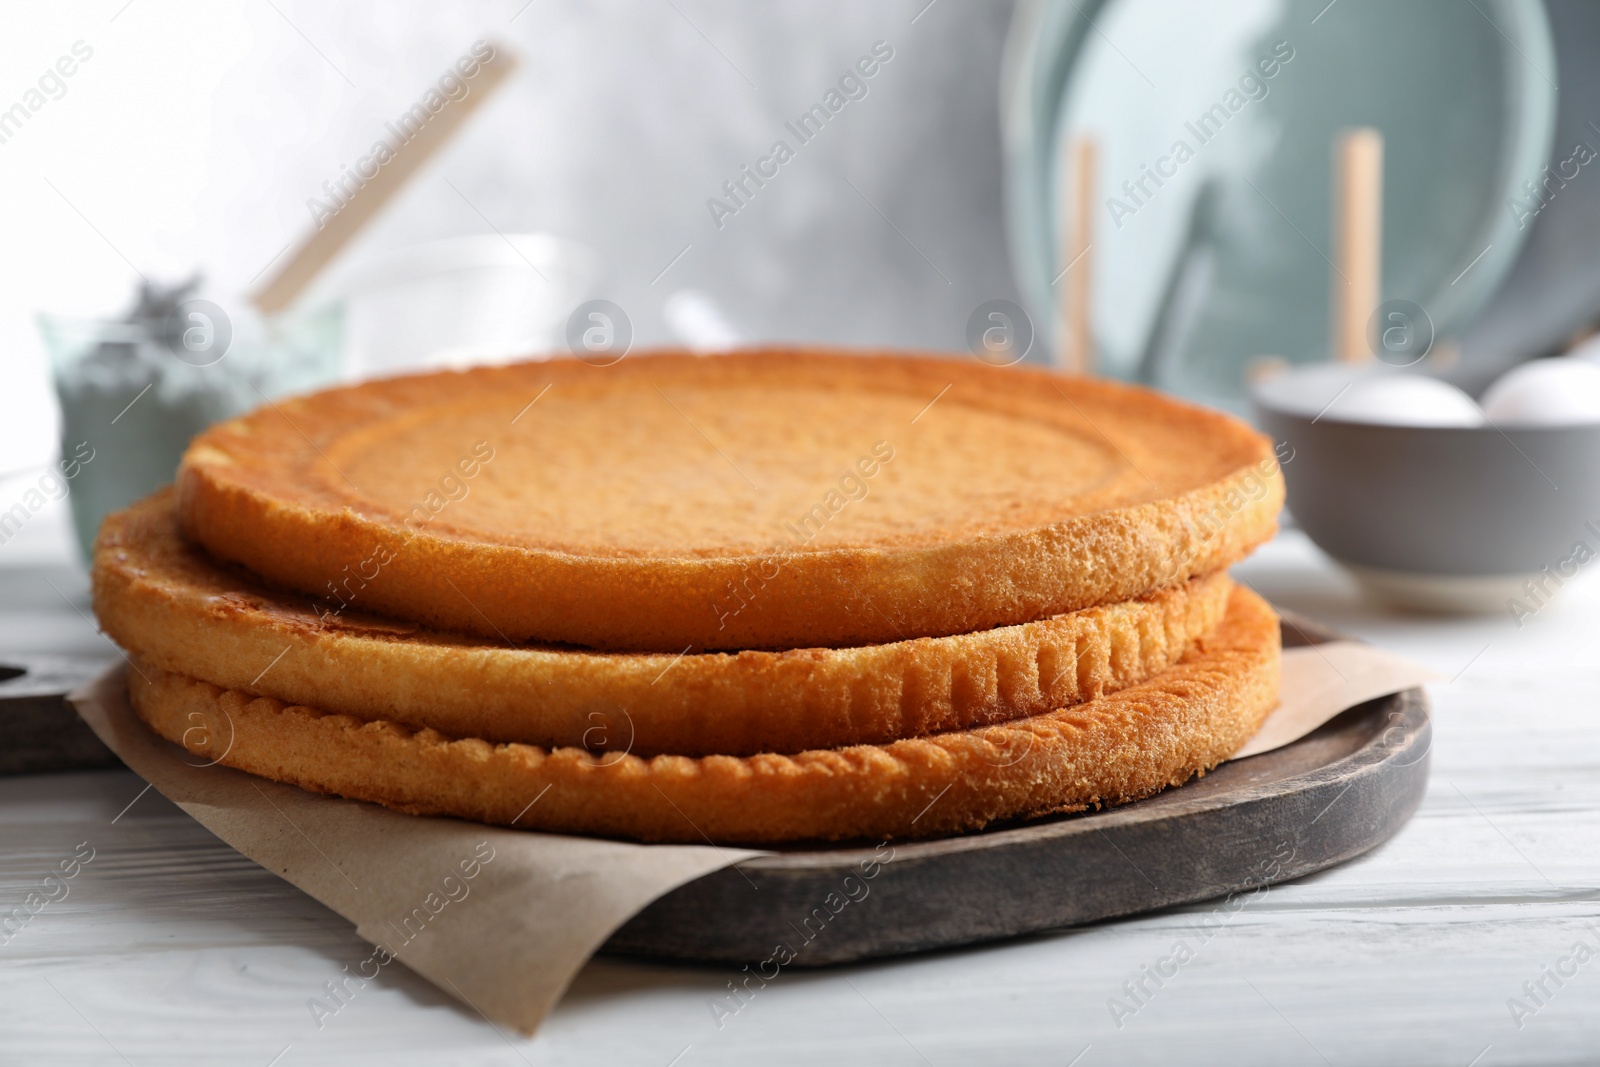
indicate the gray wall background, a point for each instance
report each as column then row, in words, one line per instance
column 198, row 131
column 886, row 228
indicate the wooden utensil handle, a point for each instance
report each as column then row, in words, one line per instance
column 1357, row 240
column 1075, row 353
column 406, row 157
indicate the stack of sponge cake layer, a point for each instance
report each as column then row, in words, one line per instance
column 778, row 595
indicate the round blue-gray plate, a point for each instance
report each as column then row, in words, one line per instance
column 1215, row 123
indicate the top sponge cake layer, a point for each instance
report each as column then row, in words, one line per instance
column 773, row 498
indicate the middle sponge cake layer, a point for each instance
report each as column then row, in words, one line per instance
column 160, row 597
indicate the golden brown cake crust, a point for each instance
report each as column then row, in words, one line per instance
column 771, row 499
column 1111, row 750
column 160, row 597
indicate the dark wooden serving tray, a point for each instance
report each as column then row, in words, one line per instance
column 39, row 731
column 1328, row 797
column 1332, row 795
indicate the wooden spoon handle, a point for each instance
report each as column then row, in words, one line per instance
column 411, row 141
column 1357, row 240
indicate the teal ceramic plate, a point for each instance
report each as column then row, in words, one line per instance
column 1216, row 122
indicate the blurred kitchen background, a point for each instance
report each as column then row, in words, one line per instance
column 977, row 158
column 197, row 132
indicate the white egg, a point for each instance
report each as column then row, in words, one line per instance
column 1306, row 390
column 1545, row 392
column 1405, row 400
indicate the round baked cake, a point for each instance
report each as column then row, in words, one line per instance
column 1109, row 750
column 162, row 598
column 768, row 499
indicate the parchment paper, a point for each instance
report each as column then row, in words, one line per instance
column 1321, row 681
column 504, row 919
column 506, row 941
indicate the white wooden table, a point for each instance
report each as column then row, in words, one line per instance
column 170, row 948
